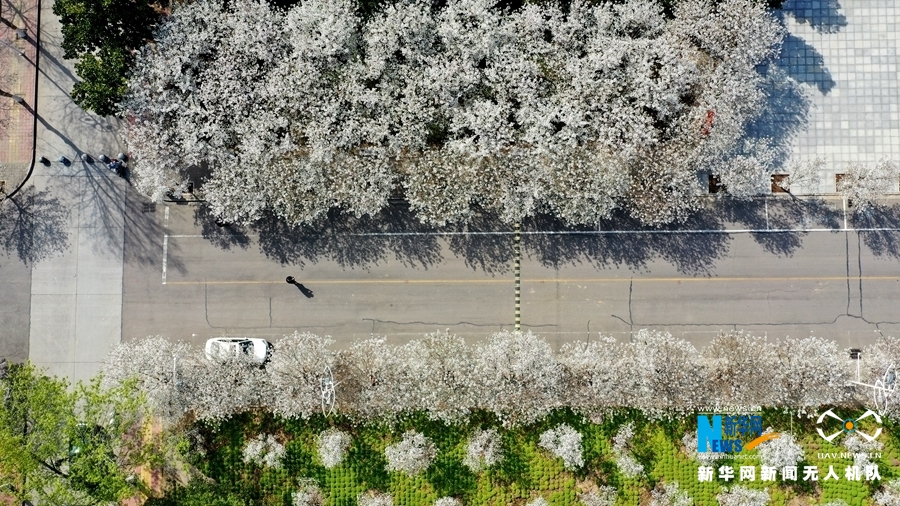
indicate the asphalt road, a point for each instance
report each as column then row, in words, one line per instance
column 186, row 278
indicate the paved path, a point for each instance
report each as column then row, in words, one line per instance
column 76, row 293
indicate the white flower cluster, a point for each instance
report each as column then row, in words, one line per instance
column 864, row 184
column 781, row 451
column 447, row 501
column 670, row 495
column 603, row 106
column 264, row 450
column 743, row 496
column 308, row 495
column 332, row 445
column 485, row 449
column 564, row 442
column 603, row 496
column 516, row 376
column 861, row 449
column 889, row 495
column 621, row 447
column 375, row 499
column 412, row 455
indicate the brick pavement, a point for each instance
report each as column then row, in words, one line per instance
column 17, row 77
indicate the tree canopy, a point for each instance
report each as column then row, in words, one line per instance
column 103, row 36
column 576, row 112
column 62, row 445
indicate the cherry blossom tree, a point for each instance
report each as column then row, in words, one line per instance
column 518, row 376
column 484, row 449
column 564, row 441
column 734, row 361
column 297, row 371
column 412, row 455
column 604, row 495
column 265, row 451
column 536, row 109
column 621, row 447
column 332, row 445
column 669, row 494
column 865, row 184
column 781, row 451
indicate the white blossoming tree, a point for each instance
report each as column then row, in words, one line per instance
column 743, row 496
column 808, row 372
column 733, row 361
column 889, row 495
column 621, row 447
column 691, row 446
column 604, row 495
column 374, row 498
column 485, row 448
column 332, row 445
column 369, row 373
column 440, row 367
column 670, row 494
column 309, row 494
column 178, row 380
column 865, row 184
column 669, row 371
column 596, row 375
column 519, row 111
column 412, row 455
column 447, row 501
column 781, row 451
column 564, row 442
column 519, row 377
column 297, row 371
column 861, row 449
column 265, row 451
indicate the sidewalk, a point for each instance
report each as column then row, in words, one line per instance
column 76, row 294
column 842, row 102
column 17, row 78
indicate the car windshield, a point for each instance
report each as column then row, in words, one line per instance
column 245, row 347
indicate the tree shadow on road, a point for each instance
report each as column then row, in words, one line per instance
column 33, row 225
column 486, row 243
column 351, row 242
column 221, row 235
column 883, row 243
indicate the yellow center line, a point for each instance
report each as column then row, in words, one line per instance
column 541, row 280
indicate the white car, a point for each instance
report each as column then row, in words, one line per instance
column 220, row 349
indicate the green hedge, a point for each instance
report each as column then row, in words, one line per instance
column 526, row 472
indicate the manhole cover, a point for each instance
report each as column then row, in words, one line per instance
column 149, row 207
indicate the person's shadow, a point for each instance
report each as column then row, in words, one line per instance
column 305, row 291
